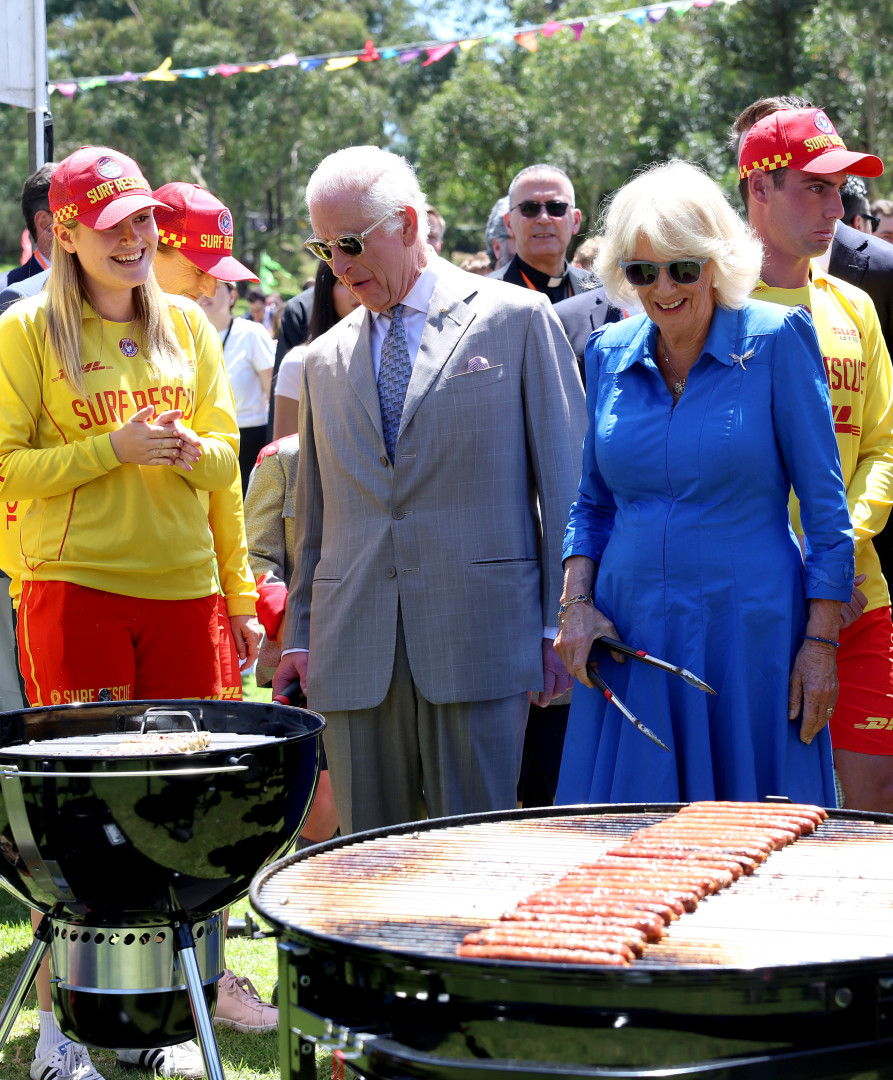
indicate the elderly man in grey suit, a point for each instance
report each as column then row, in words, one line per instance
column 441, row 427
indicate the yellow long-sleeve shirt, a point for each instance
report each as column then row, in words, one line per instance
column 861, row 384
column 129, row 529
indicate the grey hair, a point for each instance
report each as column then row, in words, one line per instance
column 382, row 181
column 681, row 212
column 496, row 226
column 540, row 170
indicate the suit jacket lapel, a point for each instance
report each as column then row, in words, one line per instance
column 448, row 319
column 355, row 354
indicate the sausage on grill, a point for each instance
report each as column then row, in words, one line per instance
column 546, row 956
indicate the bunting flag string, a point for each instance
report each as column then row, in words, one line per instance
column 430, row 52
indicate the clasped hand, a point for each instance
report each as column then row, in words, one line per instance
column 147, row 439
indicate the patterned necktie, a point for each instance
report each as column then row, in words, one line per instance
column 393, row 378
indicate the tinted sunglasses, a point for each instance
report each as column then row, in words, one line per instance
column 531, row 209
column 873, row 221
column 640, row 273
column 350, row 244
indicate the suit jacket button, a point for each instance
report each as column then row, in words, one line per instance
column 384, row 460
column 398, row 514
column 391, row 571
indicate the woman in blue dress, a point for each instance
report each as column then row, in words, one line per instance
column 703, row 412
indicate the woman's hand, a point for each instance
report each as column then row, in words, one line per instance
column 578, row 627
column 247, row 633
column 163, row 442
column 813, row 686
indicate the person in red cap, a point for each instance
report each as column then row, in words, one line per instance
column 117, row 415
column 195, row 260
column 793, row 164
column 195, row 233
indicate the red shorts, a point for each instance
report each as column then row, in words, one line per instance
column 230, row 671
column 74, row 642
column 863, row 717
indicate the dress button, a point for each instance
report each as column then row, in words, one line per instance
column 391, row 571
column 398, row 513
column 384, row 460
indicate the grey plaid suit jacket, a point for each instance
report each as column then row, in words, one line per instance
column 464, row 532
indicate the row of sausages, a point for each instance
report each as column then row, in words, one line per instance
column 609, row 910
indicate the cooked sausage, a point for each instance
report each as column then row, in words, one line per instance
column 547, row 939
column 568, row 906
column 692, row 856
column 543, row 956
column 818, row 813
column 647, row 922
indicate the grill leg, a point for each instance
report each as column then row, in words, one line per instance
column 25, row 978
column 184, row 943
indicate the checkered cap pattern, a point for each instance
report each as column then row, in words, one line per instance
column 767, row 164
column 171, row 239
column 65, row 213
column 393, row 378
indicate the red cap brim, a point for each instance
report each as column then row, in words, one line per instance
column 107, row 217
column 845, row 161
column 222, row 267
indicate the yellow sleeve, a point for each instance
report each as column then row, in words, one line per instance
column 227, row 521
column 28, row 472
column 870, row 490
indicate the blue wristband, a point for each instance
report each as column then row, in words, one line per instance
column 824, row 640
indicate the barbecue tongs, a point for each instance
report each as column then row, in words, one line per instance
column 646, row 658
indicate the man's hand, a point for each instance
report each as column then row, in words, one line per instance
column 247, row 633
column 556, row 679
column 292, row 666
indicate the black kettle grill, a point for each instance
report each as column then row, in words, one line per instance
column 132, row 855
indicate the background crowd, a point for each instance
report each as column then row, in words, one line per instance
column 445, row 525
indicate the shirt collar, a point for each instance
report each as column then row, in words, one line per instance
column 419, row 296
column 540, row 280
column 643, row 346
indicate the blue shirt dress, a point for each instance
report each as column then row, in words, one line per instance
column 685, row 510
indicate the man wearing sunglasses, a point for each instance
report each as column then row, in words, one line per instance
column 441, row 428
column 856, row 213
column 793, row 166
column 542, row 218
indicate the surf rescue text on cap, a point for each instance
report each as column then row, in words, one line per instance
column 804, row 140
column 98, row 187
column 197, row 224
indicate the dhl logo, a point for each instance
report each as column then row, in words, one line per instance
column 876, row 723
column 843, row 420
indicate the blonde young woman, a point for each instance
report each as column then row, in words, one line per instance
column 116, row 412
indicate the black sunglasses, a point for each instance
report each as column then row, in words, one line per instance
column 640, row 273
column 872, row 221
column 351, row 244
column 531, row 209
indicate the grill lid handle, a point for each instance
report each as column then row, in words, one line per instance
column 154, row 714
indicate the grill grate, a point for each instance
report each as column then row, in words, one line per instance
column 828, row 897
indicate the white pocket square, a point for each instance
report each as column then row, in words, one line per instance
column 478, row 363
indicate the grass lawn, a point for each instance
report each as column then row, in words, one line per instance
column 245, row 1057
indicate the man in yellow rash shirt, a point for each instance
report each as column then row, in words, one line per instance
column 795, row 164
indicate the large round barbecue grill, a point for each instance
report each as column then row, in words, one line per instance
column 785, row 975
column 132, row 853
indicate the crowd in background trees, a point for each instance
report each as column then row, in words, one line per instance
column 599, row 108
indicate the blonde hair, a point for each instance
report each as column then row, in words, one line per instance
column 680, row 212
column 66, row 293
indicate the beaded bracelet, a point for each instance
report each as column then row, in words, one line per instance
column 823, row 640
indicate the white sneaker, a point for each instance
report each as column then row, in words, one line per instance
column 66, row 1061
column 182, row 1059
